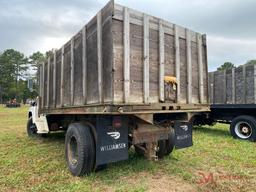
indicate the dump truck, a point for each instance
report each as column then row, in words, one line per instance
column 232, row 94
column 125, row 79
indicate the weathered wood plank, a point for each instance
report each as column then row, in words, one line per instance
column 161, row 61
column 146, row 58
column 177, row 61
column 42, row 85
column 233, row 87
column 126, row 47
column 189, row 63
column 84, row 60
column 72, row 72
column 54, row 79
column 48, row 82
column 224, row 87
column 99, row 55
column 244, row 84
column 200, row 67
column 62, row 77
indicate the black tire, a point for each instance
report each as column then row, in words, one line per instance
column 170, row 143
column 138, row 150
column 161, row 149
column 79, row 149
column 243, row 127
column 31, row 128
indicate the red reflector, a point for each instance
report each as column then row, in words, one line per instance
column 117, row 121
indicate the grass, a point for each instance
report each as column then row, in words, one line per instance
column 216, row 162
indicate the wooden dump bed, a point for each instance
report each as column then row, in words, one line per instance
column 126, row 57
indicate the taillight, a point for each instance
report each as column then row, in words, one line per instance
column 117, row 122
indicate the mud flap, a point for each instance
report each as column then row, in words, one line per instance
column 111, row 142
column 183, row 134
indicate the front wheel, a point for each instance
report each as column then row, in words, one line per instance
column 243, row 127
column 79, row 149
column 31, row 128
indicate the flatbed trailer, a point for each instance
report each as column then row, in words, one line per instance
column 241, row 117
column 124, row 79
column 233, row 96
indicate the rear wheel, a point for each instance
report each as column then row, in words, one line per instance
column 243, row 127
column 165, row 147
column 79, row 149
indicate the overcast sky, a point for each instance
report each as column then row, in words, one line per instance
column 230, row 25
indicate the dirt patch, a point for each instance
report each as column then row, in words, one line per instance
column 157, row 182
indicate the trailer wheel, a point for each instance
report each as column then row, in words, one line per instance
column 243, row 127
column 79, row 149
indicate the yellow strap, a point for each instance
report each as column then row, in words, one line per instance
column 170, row 79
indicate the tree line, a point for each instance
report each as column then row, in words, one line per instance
column 15, row 70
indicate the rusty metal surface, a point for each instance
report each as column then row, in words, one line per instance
column 148, row 133
column 128, row 109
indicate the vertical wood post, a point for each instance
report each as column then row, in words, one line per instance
column 48, row 82
column 126, row 50
column 146, row 58
column 161, row 61
column 99, row 55
column 233, row 86
column 224, row 87
column 212, row 89
column 62, row 77
column 200, row 68
column 177, row 60
column 189, row 71
column 244, row 84
column 43, row 85
column 72, row 72
column 84, row 60
column 54, row 79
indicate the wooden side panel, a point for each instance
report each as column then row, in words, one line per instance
column 66, row 75
column 136, row 63
column 118, row 60
column 58, row 77
column 229, row 86
column 205, row 69
column 249, row 84
column 183, row 71
column 92, row 63
column 218, row 87
column 78, row 70
column 169, row 58
column 194, row 73
column 153, row 66
column 45, row 79
column 107, row 60
column 211, row 87
column 239, row 82
column 51, row 100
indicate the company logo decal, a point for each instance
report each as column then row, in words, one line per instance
column 115, row 135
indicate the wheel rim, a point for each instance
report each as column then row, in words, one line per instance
column 243, row 130
column 73, row 151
